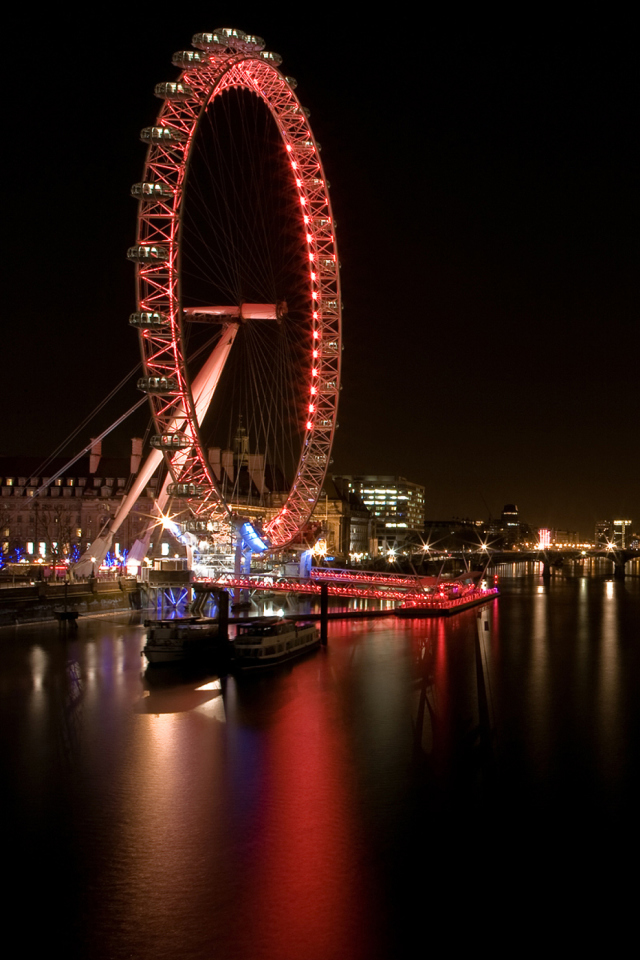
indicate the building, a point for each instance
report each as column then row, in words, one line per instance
column 510, row 532
column 66, row 515
column 614, row 532
column 455, row 534
column 346, row 526
column 396, row 504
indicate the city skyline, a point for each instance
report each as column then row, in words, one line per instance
column 483, row 190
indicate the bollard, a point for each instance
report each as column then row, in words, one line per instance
column 324, row 612
column 223, row 615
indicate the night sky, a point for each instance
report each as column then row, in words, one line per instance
column 484, row 180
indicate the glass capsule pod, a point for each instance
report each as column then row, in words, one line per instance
column 146, row 253
column 194, row 526
column 293, row 83
column 254, row 43
column 188, row 59
column 171, row 441
column 149, row 321
column 230, row 33
column 271, row 57
column 173, row 90
column 186, row 490
column 158, row 385
column 166, row 135
column 152, row 191
column 209, row 41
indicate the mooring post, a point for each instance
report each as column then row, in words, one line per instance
column 618, row 568
column 223, row 615
column 485, row 712
column 324, row 612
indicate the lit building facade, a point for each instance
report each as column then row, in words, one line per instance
column 616, row 532
column 396, row 504
column 348, row 529
column 67, row 515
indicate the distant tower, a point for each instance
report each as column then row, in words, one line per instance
column 510, row 523
column 241, row 445
column 544, row 538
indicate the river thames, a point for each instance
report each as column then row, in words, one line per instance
column 346, row 805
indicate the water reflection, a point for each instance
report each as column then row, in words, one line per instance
column 185, row 813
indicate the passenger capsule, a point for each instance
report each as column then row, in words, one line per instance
column 293, row 83
column 171, row 441
column 164, row 135
column 209, row 41
column 189, row 59
column 274, row 58
column 230, row 33
column 255, row 43
column 147, row 253
column 149, row 321
column 152, row 191
column 186, row 490
column 158, row 385
column 173, row 90
column 195, row 526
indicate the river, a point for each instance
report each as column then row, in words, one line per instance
column 346, row 806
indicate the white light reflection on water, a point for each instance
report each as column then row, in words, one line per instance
column 38, row 662
column 284, row 816
column 539, row 692
column 608, row 681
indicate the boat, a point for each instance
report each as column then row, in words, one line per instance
column 449, row 597
column 171, row 640
column 267, row 641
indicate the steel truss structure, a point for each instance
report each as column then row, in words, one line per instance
column 221, row 61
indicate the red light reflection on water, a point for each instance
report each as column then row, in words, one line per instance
column 309, row 887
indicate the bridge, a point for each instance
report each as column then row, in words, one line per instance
column 555, row 558
column 357, row 584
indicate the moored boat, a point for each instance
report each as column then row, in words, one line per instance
column 172, row 640
column 447, row 601
column 267, row 641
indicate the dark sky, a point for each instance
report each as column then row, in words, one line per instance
column 484, row 178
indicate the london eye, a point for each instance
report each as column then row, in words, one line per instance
column 238, row 292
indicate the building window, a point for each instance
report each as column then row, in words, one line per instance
column 30, row 547
column 42, row 548
column 165, row 549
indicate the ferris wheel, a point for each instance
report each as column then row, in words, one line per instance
column 238, row 288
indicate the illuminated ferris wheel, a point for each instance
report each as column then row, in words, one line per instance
column 238, row 289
